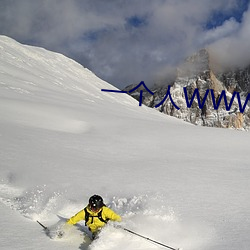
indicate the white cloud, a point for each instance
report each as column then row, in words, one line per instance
column 99, row 33
column 228, row 28
column 233, row 49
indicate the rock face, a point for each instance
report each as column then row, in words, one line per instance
column 196, row 74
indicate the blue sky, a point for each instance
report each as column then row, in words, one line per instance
column 218, row 17
column 129, row 41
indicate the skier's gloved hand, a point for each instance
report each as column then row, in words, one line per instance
column 60, row 233
column 62, row 230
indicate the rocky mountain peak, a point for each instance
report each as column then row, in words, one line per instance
column 196, row 64
column 198, row 73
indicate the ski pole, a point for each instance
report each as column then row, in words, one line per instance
column 146, row 238
column 45, row 228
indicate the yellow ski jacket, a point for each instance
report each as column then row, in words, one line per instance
column 94, row 223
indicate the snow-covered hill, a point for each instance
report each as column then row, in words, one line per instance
column 62, row 139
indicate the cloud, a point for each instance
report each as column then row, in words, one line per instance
column 233, row 49
column 228, row 28
column 125, row 42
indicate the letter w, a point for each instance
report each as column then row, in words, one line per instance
column 239, row 102
column 196, row 92
column 223, row 94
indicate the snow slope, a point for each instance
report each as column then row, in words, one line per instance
column 62, row 139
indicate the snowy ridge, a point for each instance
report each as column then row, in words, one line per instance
column 62, row 139
column 33, row 71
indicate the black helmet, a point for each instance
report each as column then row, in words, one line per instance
column 96, row 202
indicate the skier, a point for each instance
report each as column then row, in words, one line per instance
column 95, row 214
